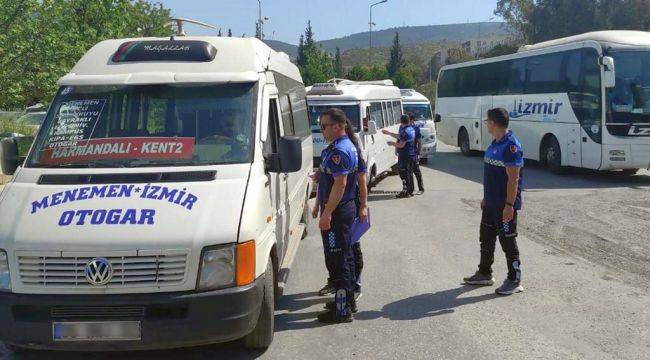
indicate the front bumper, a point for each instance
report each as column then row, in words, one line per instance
column 168, row 320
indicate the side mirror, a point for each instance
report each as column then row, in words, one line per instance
column 289, row 156
column 437, row 118
column 372, row 128
column 609, row 77
column 9, row 159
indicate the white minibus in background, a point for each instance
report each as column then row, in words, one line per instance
column 581, row 101
column 165, row 191
column 370, row 106
column 420, row 106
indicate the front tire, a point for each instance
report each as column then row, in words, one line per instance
column 553, row 156
column 629, row 172
column 463, row 142
column 262, row 335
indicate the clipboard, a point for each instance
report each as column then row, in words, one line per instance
column 359, row 228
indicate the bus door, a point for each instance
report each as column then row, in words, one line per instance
column 484, row 138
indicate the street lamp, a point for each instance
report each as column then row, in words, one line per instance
column 478, row 47
column 371, row 24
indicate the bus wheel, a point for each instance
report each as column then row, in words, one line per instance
column 552, row 156
column 262, row 335
column 463, row 142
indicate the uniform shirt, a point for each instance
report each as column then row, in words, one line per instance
column 500, row 154
column 407, row 135
column 338, row 159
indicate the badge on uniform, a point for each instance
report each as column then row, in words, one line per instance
column 336, row 159
column 513, row 149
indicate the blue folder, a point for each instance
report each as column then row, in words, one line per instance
column 359, row 228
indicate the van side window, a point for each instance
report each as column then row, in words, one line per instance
column 287, row 115
column 300, row 114
column 397, row 111
column 271, row 141
column 376, row 114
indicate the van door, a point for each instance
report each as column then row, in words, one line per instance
column 277, row 181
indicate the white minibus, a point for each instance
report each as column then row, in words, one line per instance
column 165, row 191
column 370, row 106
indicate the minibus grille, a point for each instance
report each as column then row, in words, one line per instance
column 128, row 271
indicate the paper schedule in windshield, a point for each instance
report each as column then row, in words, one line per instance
column 70, row 140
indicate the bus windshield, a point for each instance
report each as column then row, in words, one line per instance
column 420, row 111
column 147, row 125
column 351, row 111
column 629, row 100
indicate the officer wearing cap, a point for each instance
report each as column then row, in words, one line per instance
column 502, row 181
column 337, row 195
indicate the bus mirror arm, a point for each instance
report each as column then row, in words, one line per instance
column 609, row 78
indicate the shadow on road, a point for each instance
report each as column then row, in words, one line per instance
column 426, row 305
column 535, row 176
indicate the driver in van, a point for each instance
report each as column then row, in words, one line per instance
column 228, row 135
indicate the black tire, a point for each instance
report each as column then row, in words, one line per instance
column 463, row 142
column 17, row 349
column 629, row 172
column 372, row 178
column 306, row 215
column 262, row 335
column 424, row 161
column 552, row 156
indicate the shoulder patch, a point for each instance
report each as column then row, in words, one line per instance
column 336, row 159
column 513, row 149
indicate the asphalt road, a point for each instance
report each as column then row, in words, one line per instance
column 585, row 245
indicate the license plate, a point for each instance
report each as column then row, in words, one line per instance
column 96, row 331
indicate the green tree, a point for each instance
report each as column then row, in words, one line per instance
column 315, row 64
column 42, row 40
column 540, row 20
column 396, row 61
column 378, row 72
column 338, row 64
column 359, row 73
column 404, row 79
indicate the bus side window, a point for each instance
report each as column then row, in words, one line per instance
column 376, row 114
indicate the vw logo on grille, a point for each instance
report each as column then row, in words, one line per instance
column 99, row 271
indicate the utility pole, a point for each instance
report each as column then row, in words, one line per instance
column 259, row 25
column 370, row 32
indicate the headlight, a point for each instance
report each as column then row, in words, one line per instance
column 217, row 268
column 226, row 266
column 5, row 279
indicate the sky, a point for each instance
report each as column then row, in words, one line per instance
column 330, row 18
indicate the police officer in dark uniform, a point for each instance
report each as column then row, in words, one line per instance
column 418, row 147
column 406, row 154
column 502, row 182
column 337, row 195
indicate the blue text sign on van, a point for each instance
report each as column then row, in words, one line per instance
column 165, row 50
column 177, row 197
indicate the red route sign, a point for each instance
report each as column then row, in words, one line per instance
column 121, row 148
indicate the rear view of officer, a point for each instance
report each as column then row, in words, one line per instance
column 406, row 154
column 418, row 147
column 502, row 182
column 337, row 195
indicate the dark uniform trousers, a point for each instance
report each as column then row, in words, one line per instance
column 406, row 165
column 492, row 225
column 418, row 173
column 339, row 255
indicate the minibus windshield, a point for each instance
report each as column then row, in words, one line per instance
column 351, row 111
column 147, row 125
column 420, row 111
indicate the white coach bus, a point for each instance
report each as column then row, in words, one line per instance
column 420, row 106
column 370, row 106
column 581, row 101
